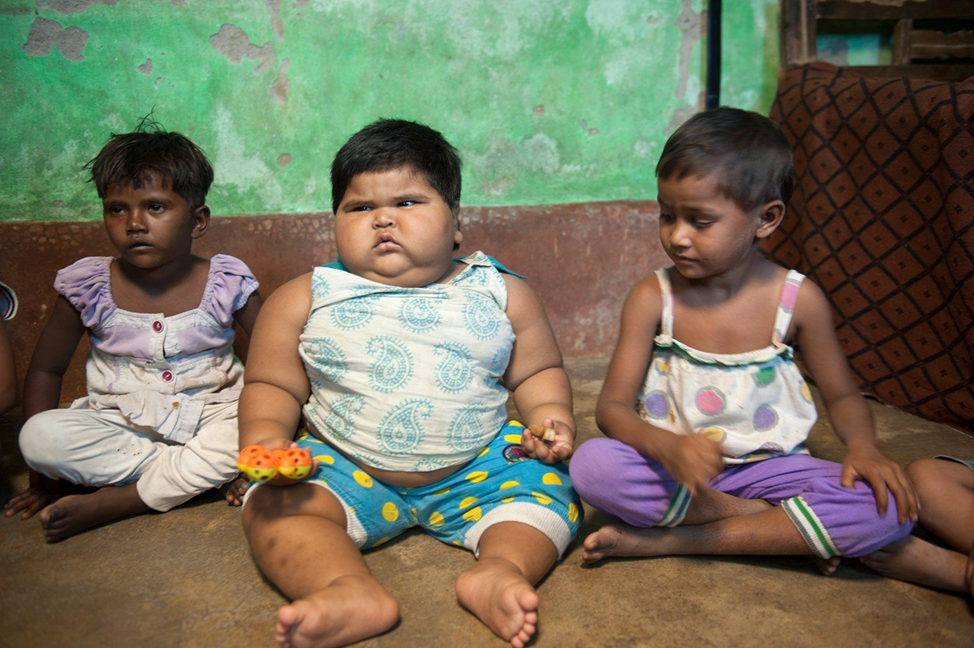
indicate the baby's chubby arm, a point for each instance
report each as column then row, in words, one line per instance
column 42, row 392
column 692, row 459
column 848, row 411
column 275, row 383
column 542, row 392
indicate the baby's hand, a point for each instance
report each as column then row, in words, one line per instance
column 693, row 460
column 550, row 442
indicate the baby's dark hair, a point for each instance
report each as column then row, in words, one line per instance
column 131, row 159
column 745, row 151
column 394, row 143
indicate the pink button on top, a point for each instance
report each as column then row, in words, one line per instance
column 157, row 326
column 167, row 376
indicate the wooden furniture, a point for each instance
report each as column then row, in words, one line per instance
column 919, row 51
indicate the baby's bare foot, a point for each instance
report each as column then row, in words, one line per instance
column 498, row 594
column 918, row 561
column 75, row 513
column 234, row 490
column 623, row 541
column 352, row 608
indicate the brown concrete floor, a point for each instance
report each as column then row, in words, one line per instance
column 186, row 579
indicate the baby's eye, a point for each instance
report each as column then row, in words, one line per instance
column 406, row 203
column 702, row 224
column 155, row 207
column 115, row 209
column 666, row 218
column 361, row 208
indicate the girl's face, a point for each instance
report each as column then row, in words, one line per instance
column 393, row 228
column 153, row 225
column 704, row 232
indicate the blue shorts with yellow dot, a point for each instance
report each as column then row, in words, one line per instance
column 500, row 485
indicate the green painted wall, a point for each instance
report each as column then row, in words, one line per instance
column 548, row 102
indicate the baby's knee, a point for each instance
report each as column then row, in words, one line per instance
column 43, row 443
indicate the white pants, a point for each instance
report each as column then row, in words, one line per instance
column 102, row 448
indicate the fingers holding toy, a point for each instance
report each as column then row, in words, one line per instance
column 280, row 467
column 550, row 442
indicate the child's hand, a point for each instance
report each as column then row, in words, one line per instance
column 882, row 473
column 550, row 452
column 693, row 460
column 30, row 502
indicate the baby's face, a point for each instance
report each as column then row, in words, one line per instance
column 393, row 228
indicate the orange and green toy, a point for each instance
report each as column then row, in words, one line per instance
column 263, row 465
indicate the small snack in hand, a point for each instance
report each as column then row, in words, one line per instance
column 542, row 432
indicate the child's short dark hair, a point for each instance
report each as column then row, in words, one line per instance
column 131, row 159
column 750, row 156
column 393, row 143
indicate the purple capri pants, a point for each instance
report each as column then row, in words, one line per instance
column 834, row 521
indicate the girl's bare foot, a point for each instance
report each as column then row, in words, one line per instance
column 498, row 594
column 350, row 609
column 73, row 514
column 234, row 490
column 622, row 541
column 918, row 561
column 827, row 566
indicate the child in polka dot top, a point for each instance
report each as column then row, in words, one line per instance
column 715, row 443
column 399, row 359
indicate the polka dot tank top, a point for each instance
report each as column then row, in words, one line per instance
column 756, row 405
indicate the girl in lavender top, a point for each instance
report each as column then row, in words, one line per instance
column 159, row 424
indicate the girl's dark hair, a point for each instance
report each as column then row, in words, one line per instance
column 393, row 143
column 745, row 151
column 132, row 159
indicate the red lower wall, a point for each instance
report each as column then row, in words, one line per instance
column 581, row 259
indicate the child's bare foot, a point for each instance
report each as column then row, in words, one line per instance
column 75, row 513
column 622, row 541
column 234, row 490
column 918, row 561
column 498, row 594
column 350, row 609
column 827, row 566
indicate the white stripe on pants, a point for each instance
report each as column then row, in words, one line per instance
column 101, row 448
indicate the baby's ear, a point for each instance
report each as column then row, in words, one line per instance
column 771, row 215
column 457, row 234
column 201, row 221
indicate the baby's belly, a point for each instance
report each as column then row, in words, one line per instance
column 407, row 479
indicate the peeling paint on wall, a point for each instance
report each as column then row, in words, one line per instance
column 281, row 84
column 46, row 35
column 233, row 42
column 274, row 8
column 73, row 6
column 547, row 102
